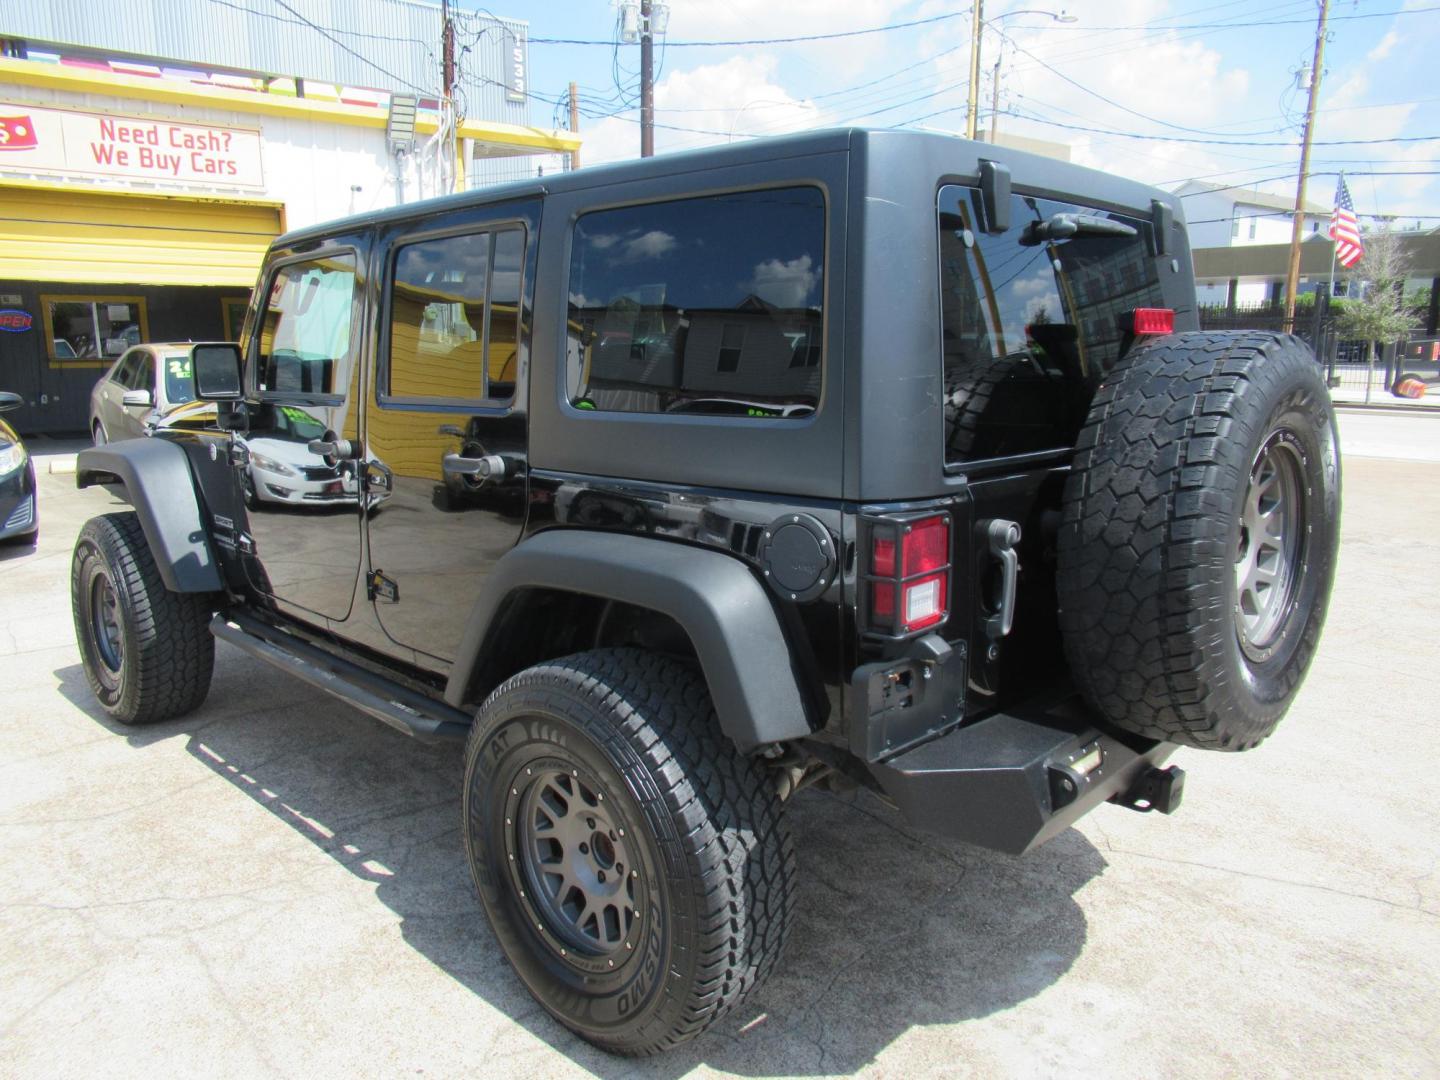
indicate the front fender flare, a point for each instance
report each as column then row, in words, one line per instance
column 714, row 598
column 161, row 488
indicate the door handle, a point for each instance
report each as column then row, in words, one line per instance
column 1002, row 537
column 488, row 467
column 378, row 477
column 336, row 448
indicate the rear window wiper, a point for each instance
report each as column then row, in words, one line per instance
column 1064, row 226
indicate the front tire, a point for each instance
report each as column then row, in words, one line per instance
column 634, row 867
column 97, row 434
column 147, row 652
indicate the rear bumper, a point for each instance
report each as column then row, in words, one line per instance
column 1011, row 783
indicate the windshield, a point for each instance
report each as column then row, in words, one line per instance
column 1033, row 318
column 179, row 380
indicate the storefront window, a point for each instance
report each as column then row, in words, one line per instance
column 92, row 327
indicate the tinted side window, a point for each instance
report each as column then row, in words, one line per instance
column 700, row 306
column 143, row 376
column 305, row 330
column 454, row 317
column 1032, row 320
column 125, row 368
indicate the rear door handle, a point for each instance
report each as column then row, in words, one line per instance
column 488, row 467
column 1002, row 537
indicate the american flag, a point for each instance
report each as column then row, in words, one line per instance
column 1344, row 229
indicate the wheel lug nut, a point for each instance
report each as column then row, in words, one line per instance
column 584, row 849
column 602, row 877
column 590, row 823
column 612, row 834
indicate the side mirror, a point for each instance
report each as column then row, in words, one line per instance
column 10, row 401
column 216, row 368
column 142, row 399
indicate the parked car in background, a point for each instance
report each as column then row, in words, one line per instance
column 147, row 378
column 18, row 520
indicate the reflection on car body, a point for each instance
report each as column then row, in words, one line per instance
column 280, row 468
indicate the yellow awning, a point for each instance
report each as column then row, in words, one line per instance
column 77, row 234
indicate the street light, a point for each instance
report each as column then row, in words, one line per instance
column 977, row 29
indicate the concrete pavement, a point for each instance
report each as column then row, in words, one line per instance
column 275, row 884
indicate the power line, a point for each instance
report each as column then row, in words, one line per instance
column 769, row 41
column 1225, row 142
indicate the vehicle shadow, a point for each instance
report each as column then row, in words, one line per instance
column 894, row 929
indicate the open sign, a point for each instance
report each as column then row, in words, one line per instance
column 16, row 322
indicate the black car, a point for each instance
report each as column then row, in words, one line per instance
column 18, row 520
column 850, row 457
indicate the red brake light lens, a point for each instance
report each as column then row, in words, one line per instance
column 926, row 546
column 884, row 558
column 910, row 570
column 1154, row 320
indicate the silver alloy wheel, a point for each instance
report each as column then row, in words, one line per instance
column 1267, row 557
column 576, row 861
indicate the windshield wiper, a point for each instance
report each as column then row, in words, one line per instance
column 1064, row 226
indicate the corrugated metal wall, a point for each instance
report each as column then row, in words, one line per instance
column 380, row 44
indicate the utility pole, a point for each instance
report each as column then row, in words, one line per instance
column 447, row 83
column 1292, row 278
column 972, row 103
column 995, row 98
column 647, row 83
column 574, row 125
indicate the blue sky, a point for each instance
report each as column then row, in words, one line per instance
column 1179, row 73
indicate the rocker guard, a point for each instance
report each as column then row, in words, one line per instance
column 1010, row 783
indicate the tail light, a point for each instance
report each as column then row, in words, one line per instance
column 908, row 579
column 1154, row 320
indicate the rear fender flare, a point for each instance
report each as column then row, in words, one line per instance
column 714, row 598
column 160, row 486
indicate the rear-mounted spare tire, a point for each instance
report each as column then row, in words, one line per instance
column 1199, row 537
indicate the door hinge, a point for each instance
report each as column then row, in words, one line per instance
column 382, row 588
column 245, row 543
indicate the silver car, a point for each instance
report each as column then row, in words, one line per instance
column 146, row 379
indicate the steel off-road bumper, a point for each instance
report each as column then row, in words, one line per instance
column 1011, row 784
column 1007, row 781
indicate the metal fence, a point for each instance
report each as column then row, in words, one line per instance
column 1352, row 372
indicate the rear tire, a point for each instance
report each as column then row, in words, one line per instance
column 612, row 763
column 1199, row 537
column 147, row 652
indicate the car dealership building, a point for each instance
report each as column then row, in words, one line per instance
column 150, row 151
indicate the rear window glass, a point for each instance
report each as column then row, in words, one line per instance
column 710, row 306
column 1033, row 318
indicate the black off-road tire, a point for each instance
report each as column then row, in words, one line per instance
column 156, row 661
column 1156, row 626
column 708, row 869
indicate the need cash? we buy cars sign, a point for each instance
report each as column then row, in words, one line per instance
column 76, row 143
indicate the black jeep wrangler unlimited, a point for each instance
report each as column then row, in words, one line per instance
column 674, row 487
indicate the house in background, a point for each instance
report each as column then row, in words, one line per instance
column 1229, row 217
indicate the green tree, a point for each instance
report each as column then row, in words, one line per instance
column 1383, row 314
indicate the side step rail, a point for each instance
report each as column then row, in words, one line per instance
column 401, row 708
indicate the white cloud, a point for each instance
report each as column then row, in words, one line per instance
column 785, row 284
column 650, row 245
